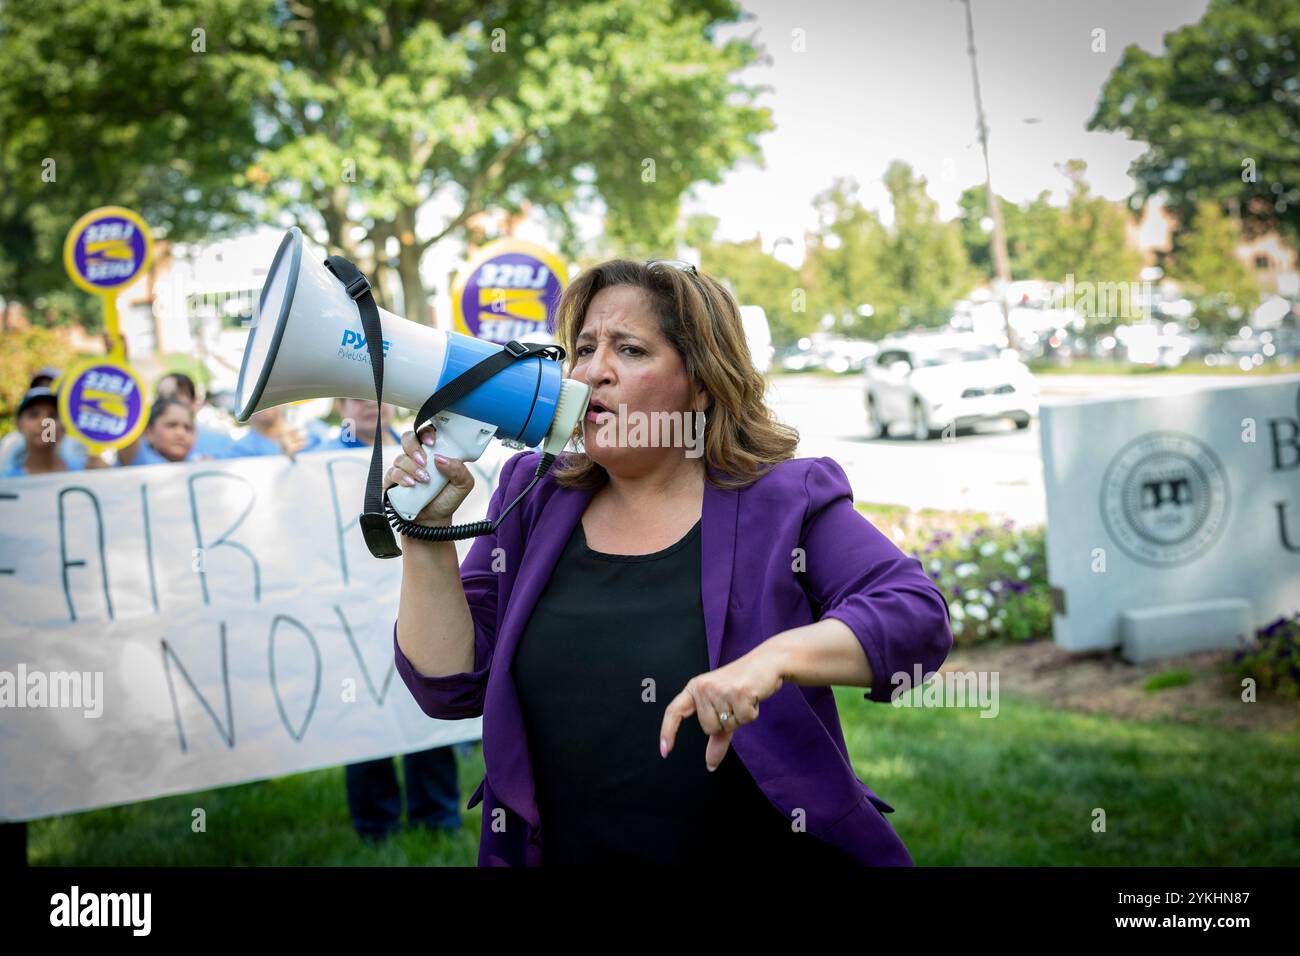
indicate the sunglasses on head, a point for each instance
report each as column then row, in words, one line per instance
column 681, row 264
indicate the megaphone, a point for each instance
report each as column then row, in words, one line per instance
column 307, row 341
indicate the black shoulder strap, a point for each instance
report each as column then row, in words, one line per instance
column 374, row 525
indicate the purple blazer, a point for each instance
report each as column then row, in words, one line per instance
column 754, row 585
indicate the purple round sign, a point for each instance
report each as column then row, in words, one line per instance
column 103, row 405
column 109, row 252
column 510, row 295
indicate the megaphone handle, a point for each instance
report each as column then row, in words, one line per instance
column 455, row 437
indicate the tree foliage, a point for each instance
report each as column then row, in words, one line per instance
column 876, row 279
column 1219, row 110
column 755, row 278
column 1219, row 283
column 1087, row 238
column 382, row 126
column 137, row 103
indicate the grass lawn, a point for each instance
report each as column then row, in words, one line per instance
column 1017, row 789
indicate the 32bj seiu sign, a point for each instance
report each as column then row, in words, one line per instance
column 170, row 628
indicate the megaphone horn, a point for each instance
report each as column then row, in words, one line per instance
column 308, row 341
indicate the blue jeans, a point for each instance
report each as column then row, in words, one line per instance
column 432, row 792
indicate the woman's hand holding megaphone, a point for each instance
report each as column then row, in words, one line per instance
column 412, row 467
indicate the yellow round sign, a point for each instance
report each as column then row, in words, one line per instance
column 107, row 249
column 508, row 291
column 102, row 403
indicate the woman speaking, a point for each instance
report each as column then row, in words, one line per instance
column 651, row 636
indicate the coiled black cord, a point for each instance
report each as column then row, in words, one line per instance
column 458, row 532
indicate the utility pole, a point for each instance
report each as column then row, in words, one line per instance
column 1000, row 261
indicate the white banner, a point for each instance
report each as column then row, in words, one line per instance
column 171, row 628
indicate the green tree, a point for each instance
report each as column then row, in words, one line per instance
column 1087, row 238
column 129, row 102
column 923, row 260
column 384, row 110
column 755, row 278
column 1219, row 111
column 842, row 267
column 1219, row 284
column 1091, row 239
column 381, row 126
column 875, row 279
column 1030, row 229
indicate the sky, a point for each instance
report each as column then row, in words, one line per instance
column 880, row 80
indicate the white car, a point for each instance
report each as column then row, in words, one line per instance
column 926, row 382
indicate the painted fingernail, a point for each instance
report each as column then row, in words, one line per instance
column 422, row 475
column 429, row 439
column 408, row 481
column 663, row 747
column 419, row 456
column 441, row 459
column 711, row 769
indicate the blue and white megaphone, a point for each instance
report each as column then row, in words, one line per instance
column 307, row 341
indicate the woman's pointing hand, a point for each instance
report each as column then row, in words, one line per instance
column 723, row 700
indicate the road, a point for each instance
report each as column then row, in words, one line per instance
column 992, row 468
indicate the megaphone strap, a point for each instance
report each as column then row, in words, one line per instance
column 480, row 372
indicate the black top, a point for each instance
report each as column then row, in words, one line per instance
column 604, row 628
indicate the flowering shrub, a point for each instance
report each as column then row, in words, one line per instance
column 994, row 577
column 1273, row 657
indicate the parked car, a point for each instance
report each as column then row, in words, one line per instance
column 1154, row 344
column 1242, row 353
column 800, row 357
column 925, row 382
column 822, row 350
column 840, row 354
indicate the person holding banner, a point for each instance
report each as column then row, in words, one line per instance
column 361, row 420
column 168, row 437
column 269, row 433
column 211, row 440
column 698, row 596
column 38, row 421
column 71, row 451
column 207, row 442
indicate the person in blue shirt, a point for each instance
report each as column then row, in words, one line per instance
column 168, row 437
column 360, row 422
column 71, row 450
column 38, row 424
column 269, row 433
column 432, row 787
column 208, row 442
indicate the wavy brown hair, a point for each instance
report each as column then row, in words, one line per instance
column 699, row 317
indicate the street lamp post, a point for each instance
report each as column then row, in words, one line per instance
column 1000, row 260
